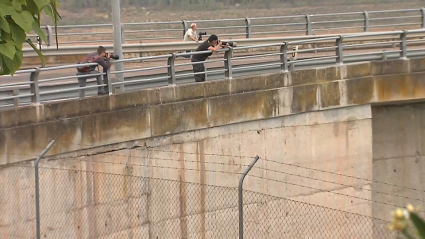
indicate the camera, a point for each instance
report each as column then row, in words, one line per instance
column 113, row 56
column 200, row 35
column 232, row 44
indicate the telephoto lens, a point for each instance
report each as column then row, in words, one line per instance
column 232, row 44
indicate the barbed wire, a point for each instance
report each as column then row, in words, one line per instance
column 164, row 159
column 265, row 159
column 245, row 165
column 149, row 166
column 325, row 191
column 325, row 181
column 264, row 178
column 293, row 165
column 150, row 149
column 340, row 174
column 213, row 171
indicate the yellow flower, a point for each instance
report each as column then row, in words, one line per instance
column 399, row 214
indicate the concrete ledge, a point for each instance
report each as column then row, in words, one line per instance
column 330, row 94
column 92, row 122
column 360, row 91
column 390, row 67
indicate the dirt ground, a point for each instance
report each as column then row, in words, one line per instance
column 234, row 29
column 85, row 16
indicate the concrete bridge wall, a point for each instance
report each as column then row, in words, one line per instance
column 322, row 119
column 336, row 140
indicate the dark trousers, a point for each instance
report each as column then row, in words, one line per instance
column 82, row 81
column 199, row 67
column 187, row 56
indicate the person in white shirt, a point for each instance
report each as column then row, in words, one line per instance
column 191, row 35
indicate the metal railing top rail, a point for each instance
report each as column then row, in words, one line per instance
column 396, row 10
column 168, row 74
column 309, row 23
column 380, row 33
column 52, row 68
column 149, row 23
column 142, row 58
column 179, row 46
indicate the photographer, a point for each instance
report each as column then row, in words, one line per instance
column 212, row 44
column 191, row 34
column 101, row 58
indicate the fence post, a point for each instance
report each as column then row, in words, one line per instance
column 122, row 34
column 423, row 17
column 308, row 24
column 228, row 63
column 366, row 21
column 240, row 191
column 284, row 57
column 248, row 27
column 171, row 69
column 403, row 45
column 35, row 90
column 49, row 35
column 37, row 189
column 339, row 51
column 185, row 27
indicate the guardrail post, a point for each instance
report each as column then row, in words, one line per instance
column 116, row 20
column 248, row 28
column 109, row 79
column 228, row 63
column 384, row 55
column 35, row 90
column 185, row 27
column 171, row 69
column 240, row 193
column 49, row 35
column 308, row 24
column 366, row 21
column 284, row 57
column 122, row 34
column 339, row 51
column 16, row 100
column 291, row 63
column 403, row 45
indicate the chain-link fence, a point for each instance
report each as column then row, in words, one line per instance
column 88, row 204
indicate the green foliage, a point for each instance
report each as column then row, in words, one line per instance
column 17, row 19
column 401, row 222
column 419, row 224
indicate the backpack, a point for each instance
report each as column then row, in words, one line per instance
column 88, row 59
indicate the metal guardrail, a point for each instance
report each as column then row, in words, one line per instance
column 169, row 47
column 38, row 89
column 248, row 27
